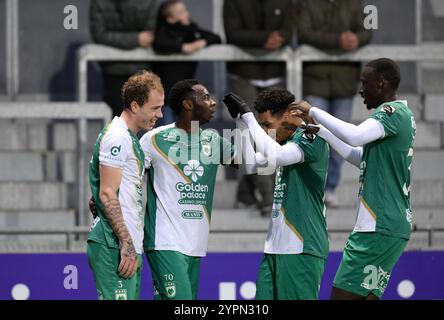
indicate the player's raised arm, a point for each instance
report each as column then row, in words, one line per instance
column 368, row 131
column 250, row 160
column 347, row 152
column 284, row 155
column 110, row 178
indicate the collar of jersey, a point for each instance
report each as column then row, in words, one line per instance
column 404, row 102
column 120, row 122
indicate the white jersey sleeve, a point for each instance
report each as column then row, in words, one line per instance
column 114, row 150
column 349, row 153
column 147, row 144
column 368, row 131
column 281, row 155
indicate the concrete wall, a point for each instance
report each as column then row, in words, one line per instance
column 2, row 48
column 397, row 26
column 433, row 18
column 396, row 21
column 47, row 49
column 201, row 12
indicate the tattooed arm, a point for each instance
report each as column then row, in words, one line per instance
column 110, row 179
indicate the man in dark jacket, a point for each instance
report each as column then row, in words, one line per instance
column 124, row 24
column 258, row 24
column 265, row 25
column 336, row 27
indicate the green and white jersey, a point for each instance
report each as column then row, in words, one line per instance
column 384, row 193
column 117, row 147
column 181, row 179
column 298, row 223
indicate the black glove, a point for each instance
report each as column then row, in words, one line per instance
column 235, row 105
column 310, row 128
column 92, row 207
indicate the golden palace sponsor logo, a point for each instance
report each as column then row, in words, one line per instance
column 279, row 191
column 191, row 187
column 191, row 193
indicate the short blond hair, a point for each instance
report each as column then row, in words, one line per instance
column 139, row 86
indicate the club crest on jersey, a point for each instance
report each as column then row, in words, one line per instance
column 170, row 136
column 194, row 170
column 388, row 109
column 206, row 149
column 170, row 288
column 121, row 294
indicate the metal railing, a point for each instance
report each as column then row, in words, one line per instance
column 81, row 113
column 95, row 52
column 71, row 232
column 294, row 59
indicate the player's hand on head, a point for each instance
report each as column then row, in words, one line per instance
column 303, row 106
column 236, row 105
column 294, row 117
column 128, row 259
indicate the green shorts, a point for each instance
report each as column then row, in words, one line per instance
column 367, row 263
column 104, row 262
column 175, row 275
column 289, row 277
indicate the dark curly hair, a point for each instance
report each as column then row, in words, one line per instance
column 274, row 99
column 180, row 91
column 138, row 87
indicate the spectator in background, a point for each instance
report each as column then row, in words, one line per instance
column 266, row 25
column 124, row 24
column 336, row 27
column 177, row 33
